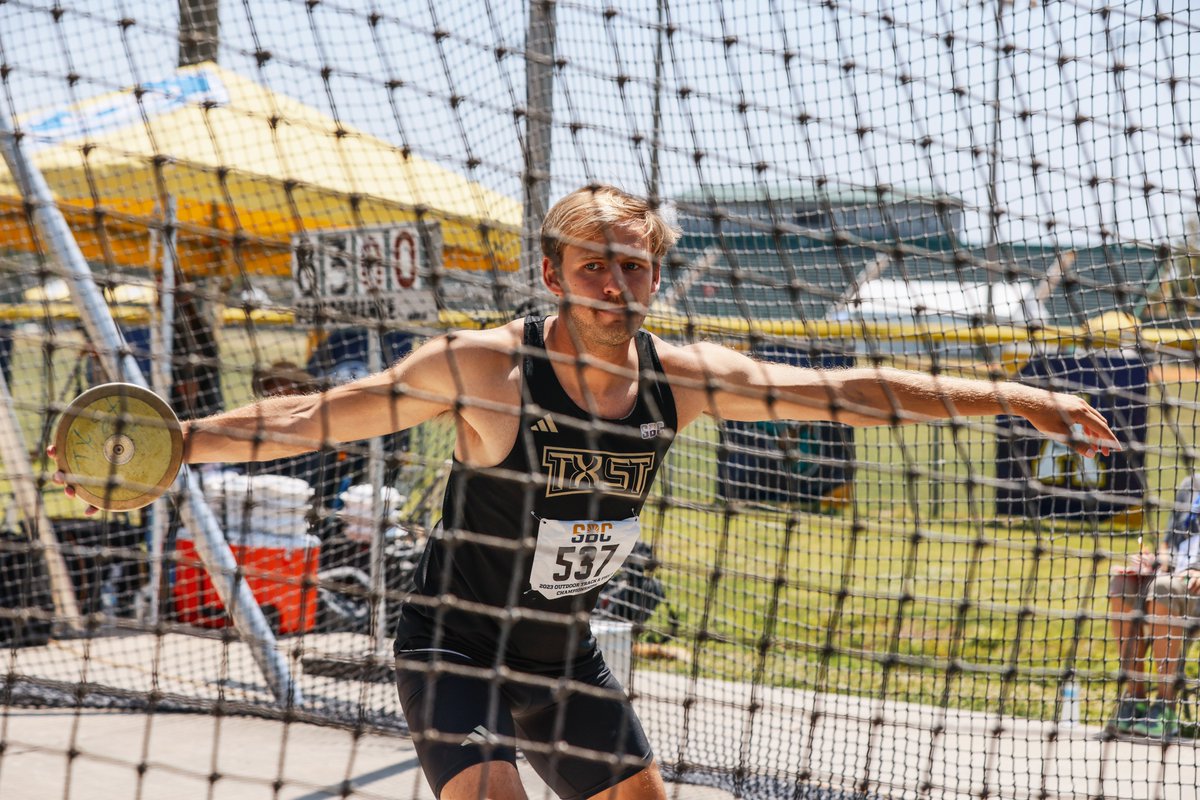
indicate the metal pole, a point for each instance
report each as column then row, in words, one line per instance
column 656, row 114
column 993, row 247
column 117, row 359
column 102, row 331
column 164, row 341
column 199, row 31
column 539, row 113
column 20, row 470
column 375, row 479
column 935, row 458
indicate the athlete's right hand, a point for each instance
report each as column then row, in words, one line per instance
column 1059, row 416
column 60, row 477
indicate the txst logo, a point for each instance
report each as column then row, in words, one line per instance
column 581, row 471
column 650, row 429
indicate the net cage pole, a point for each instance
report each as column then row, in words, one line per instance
column 117, row 359
column 378, row 547
column 656, row 111
column 539, row 116
column 162, row 345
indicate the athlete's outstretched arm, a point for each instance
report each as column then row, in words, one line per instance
column 731, row 386
column 423, row 385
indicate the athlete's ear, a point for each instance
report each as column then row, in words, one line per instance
column 552, row 278
column 657, row 277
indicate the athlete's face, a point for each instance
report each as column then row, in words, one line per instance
column 605, row 287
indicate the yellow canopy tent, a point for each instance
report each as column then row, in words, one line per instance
column 248, row 169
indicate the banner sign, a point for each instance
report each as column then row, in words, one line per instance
column 782, row 461
column 1043, row 478
column 378, row 272
column 106, row 113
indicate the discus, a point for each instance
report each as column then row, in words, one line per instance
column 119, row 445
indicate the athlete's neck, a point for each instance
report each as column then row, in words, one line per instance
column 605, row 369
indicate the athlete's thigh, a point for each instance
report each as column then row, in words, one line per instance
column 492, row 780
column 593, row 714
column 456, row 720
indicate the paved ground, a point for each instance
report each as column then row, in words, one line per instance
column 835, row 742
column 182, row 751
column 903, row 750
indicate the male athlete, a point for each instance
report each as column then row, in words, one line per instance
column 562, row 424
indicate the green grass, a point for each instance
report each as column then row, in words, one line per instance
column 916, row 594
column 828, row 599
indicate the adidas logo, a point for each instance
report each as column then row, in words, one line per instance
column 478, row 736
column 545, row 425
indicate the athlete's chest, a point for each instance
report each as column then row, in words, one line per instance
column 584, row 469
column 610, row 400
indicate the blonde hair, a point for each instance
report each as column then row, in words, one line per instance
column 590, row 213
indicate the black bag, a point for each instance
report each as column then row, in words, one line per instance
column 344, row 582
column 634, row 592
column 26, row 605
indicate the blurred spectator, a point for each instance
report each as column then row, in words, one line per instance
column 283, row 378
column 195, row 359
column 6, row 348
column 326, row 470
column 343, row 355
column 1155, row 600
column 196, row 370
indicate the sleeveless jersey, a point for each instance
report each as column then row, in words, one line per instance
column 542, row 531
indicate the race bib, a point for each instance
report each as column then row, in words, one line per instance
column 574, row 556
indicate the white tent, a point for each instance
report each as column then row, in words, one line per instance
column 927, row 300
column 55, row 291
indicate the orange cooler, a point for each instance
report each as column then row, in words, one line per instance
column 274, row 566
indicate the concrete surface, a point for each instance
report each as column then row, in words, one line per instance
column 777, row 739
column 195, row 756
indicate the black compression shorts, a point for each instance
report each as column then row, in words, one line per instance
column 456, row 718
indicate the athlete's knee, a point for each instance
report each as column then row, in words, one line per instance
column 491, row 780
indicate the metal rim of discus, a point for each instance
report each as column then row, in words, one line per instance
column 120, row 446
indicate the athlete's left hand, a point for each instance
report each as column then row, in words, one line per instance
column 1064, row 417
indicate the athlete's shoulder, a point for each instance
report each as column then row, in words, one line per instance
column 509, row 331
column 486, row 343
column 695, row 359
column 466, row 358
column 692, row 370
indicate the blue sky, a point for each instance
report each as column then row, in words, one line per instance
column 730, row 94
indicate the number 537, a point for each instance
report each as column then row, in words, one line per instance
column 580, row 562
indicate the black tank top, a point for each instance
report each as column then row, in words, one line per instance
column 544, row 529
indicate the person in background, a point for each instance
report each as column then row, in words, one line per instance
column 327, row 471
column 1155, row 603
column 195, row 361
